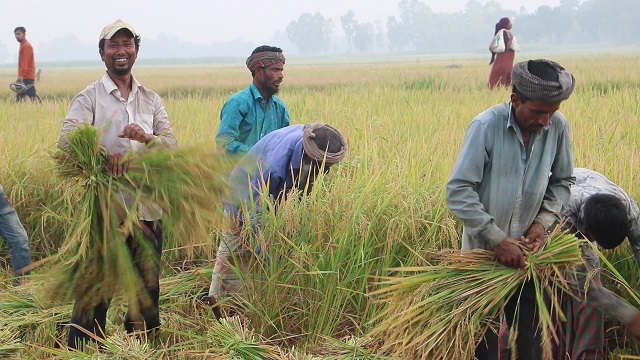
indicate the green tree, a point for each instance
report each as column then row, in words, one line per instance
column 398, row 34
column 348, row 25
column 613, row 22
column 363, row 37
column 311, row 33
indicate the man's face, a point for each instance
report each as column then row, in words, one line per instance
column 532, row 116
column 19, row 35
column 269, row 78
column 309, row 171
column 119, row 53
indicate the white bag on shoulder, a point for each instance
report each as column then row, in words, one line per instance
column 514, row 44
column 497, row 43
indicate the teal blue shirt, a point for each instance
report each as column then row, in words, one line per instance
column 498, row 188
column 245, row 119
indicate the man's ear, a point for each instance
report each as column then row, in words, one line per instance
column 515, row 99
column 259, row 71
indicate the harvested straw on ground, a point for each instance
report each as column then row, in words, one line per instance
column 442, row 311
column 185, row 183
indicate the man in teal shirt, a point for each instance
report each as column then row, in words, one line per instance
column 252, row 113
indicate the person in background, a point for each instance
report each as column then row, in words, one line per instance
column 26, row 66
column 13, row 232
column 509, row 183
column 602, row 212
column 131, row 118
column 252, row 113
column 286, row 159
column 502, row 63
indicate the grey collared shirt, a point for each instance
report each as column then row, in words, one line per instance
column 589, row 182
column 101, row 105
column 498, row 188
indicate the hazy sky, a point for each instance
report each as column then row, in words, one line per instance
column 198, row 21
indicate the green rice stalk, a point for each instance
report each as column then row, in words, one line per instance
column 94, row 260
column 442, row 311
column 9, row 341
column 232, row 337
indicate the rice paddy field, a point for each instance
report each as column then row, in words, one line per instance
column 383, row 207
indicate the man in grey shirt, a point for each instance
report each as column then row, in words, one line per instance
column 602, row 212
column 511, row 178
column 131, row 118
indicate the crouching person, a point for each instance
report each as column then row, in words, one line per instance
column 286, row 159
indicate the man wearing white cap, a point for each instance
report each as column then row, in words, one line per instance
column 131, row 118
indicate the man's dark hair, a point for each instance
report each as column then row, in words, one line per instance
column 20, row 28
column 327, row 139
column 266, row 48
column 136, row 40
column 541, row 69
column 605, row 219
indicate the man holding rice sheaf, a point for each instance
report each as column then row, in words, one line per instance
column 249, row 115
column 510, row 181
column 130, row 117
column 285, row 160
column 602, row 212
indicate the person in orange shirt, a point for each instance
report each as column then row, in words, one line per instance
column 26, row 66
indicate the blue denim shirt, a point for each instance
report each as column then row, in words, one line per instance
column 244, row 119
column 274, row 162
column 498, row 188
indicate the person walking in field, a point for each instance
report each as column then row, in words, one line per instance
column 26, row 66
column 283, row 161
column 13, row 232
column 131, row 118
column 510, row 181
column 502, row 62
column 602, row 212
column 252, row 113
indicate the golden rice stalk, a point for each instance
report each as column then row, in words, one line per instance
column 185, row 183
column 441, row 311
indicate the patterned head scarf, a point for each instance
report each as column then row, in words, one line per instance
column 313, row 151
column 538, row 89
column 264, row 59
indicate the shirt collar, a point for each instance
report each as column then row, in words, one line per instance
column 255, row 92
column 511, row 120
column 110, row 86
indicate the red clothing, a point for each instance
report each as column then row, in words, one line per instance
column 582, row 335
column 503, row 65
column 26, row 63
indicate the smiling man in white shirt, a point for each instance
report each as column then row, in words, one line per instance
column 131, row 118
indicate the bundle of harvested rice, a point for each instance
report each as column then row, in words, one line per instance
column 185, row 183
column 443, row 310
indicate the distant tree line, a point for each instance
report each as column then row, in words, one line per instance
column 418, row 28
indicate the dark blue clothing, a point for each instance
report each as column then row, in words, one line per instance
column 30, row 93
column 11, row 229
